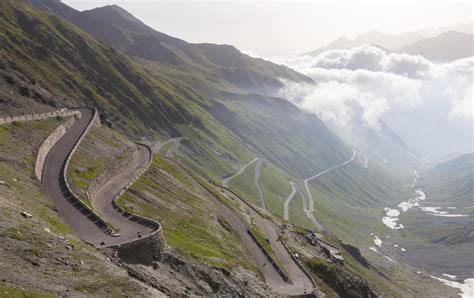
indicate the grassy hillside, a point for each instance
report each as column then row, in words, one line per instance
column 190, row 223
column 40, row 255
column 220, row 129
column 450, row 183
column 212, row 63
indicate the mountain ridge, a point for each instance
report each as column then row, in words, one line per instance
column 131, row 36
column 421, row 42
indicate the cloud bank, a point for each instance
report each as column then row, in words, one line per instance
column 366, row 84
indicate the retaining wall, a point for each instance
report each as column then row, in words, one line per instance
column 298, row 262
column 132, row 217
column 301, row 266
column 74, row 199
column 269, row 257
column 50, row 141
column 143, row 250
column 155, row 239
column 39, row 116
column 111, row 171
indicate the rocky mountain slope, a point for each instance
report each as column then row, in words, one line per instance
column 220, row 132
column 47, row 61
column 123, row 31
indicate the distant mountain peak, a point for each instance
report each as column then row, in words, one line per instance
column 116, row 14
column 396, row 41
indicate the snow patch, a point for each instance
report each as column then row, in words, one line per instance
column 467, row 287
column 436, row 212
column 373, row 249
column 378, row 241
column 391, row 260
column 391, row 218
column 450, row 215
column 449, row 275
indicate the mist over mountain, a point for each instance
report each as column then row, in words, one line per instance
column 134, row 163
column 395, row 42
column 429, row 105
column 448, row 46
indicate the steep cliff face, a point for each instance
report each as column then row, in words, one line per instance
column 143, row 251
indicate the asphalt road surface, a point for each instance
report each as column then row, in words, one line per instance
column 286, row 213
column 300, row 285
column 172, row 151
column 300, row 282
column 84, row 225
column 225, row 181
column 311, row 202
column 256, row 179
column 102, row 201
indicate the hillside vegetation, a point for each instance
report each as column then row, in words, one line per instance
column 40, row 255
column 222, row 130
column 151, row 87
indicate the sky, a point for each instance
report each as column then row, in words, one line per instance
column 274, row 28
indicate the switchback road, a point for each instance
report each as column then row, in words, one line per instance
column 82, row 222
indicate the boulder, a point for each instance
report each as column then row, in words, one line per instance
column 26, row 214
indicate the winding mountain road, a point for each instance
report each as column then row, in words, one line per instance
column 171, row 151
column 174, row 148
column 83, row 223
column 256, row 181
column 104, row 197
column 286, row 213
column 311, row 201
column 364, row 163
column 225, row 181
column 299, row 283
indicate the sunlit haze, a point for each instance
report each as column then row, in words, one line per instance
column 280, row 28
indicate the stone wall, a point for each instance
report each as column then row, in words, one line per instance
column 269, row 257
column 91, row 214
column 50, row 141
column 52, row 138
column 143, row 250
column 40, row 116
column 110, row 171
column 155, row 237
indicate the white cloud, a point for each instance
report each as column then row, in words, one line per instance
column 365, row 83
column 463, row 107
